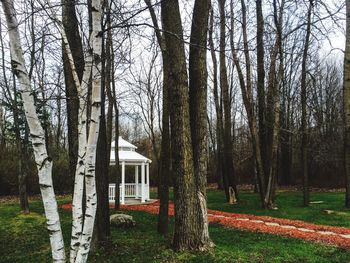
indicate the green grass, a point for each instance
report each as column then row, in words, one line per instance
column 290, row 206
column 23, row 238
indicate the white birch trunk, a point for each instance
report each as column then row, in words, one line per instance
column 82, row 90
column 91, row 198
column 77, row 208
column 37, row 136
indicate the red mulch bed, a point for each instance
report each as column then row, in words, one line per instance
column 230, row 220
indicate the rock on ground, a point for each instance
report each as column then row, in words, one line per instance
column 122, row 220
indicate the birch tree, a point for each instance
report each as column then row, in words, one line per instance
column 91, row 200
column 82, row 226
column 37, row 134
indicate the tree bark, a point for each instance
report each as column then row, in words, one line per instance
column 90, row 186
column 21, row 170
column 198, row 112
column 184, row 185
column 116, row 138
column 163, row 188
column 346, row 102
column 261, row 82
column 186, row 200
column 218, row 106
column 37, row 135
column 228, row 168
column 273, row 108
column 303, row 95
column 102, row 162
column 78, row 208
column 71, row 27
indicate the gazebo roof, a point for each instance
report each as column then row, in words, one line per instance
column 123, row 144
column 127, row 153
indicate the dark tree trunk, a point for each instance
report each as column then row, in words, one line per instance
column 163, row 187
column 303, row 95
column 228, row 168
column 261, row 82
column 218, row 108
column 71, row 27
column 165, row 171
column 198, row 112
column 247, row 95
column 273, row 108
column 184, row 182
column 117, row 169
column 187, row 234
column 346, row 97
column 116, row 136
column 108, row 77
column 21, row 169
column 102, row 165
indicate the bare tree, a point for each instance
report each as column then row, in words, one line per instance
column 346, row 105
column 303, row 94
column 165, row 172
column 228, row 168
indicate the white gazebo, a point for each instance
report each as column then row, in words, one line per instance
column 129, row 157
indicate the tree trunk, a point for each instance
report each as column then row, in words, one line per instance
column 260, row 56
column 218, row 108
column 78, row 209
column 346, row 98
column 90, row 186
column 102, row 162
column 116, row 149
column 108, row 80
column 186, row 199
column 37, row 135
column 71, row 27
column 184, row 184
column 273, row 108
column 198, row 112
column 247, row 95
column 303, row 95
column 228, row 168
column 116, row 137
column 163, row 188
column 22, row 173
column 163, row 184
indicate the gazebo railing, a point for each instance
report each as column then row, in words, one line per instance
column 131, row 190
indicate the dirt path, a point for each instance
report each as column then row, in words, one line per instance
column 339, row 236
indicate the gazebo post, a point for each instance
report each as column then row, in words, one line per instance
column 123, row 184
column 147, row 183
column 143, row 182
column 137, row 181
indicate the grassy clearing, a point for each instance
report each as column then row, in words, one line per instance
column 290, row 206
column 23, row 237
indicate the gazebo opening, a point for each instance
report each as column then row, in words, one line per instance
column 128, row 157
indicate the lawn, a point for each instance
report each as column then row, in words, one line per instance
column 290, row 206
column 23, row 238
